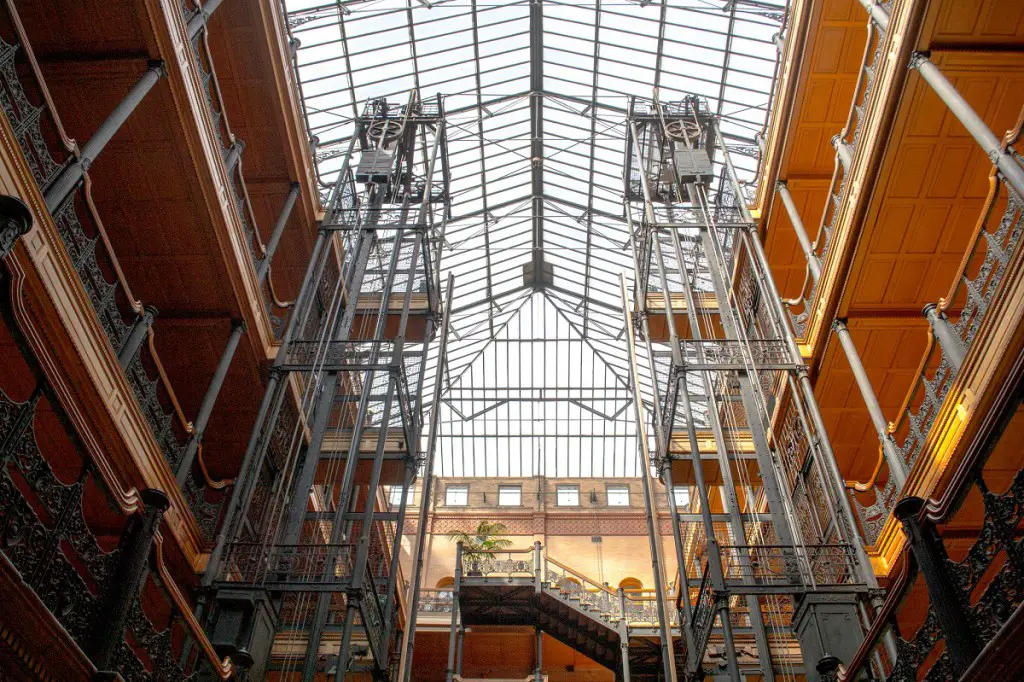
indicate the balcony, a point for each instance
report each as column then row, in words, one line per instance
column 83, row 244
column 938, row 408
column 69, row 540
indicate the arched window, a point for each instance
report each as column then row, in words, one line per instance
column 631, row 585
column 445, row 582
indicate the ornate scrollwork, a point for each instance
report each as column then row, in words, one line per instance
column 37, row 548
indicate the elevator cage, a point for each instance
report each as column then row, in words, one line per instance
column 310, row 544
column 674, row 136
column 731, row 417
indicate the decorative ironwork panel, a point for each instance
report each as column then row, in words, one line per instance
column 26, row 120
column 160, row 420
column 37, row 547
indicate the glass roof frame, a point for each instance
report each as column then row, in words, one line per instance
column 536, row 94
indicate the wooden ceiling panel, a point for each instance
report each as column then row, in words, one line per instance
column 978, row 22
column 891, row 350
column 935, row 180
column 69, row 27
column 784, row 254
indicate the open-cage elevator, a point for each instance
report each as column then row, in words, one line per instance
column 305, row 573
column 773, row 577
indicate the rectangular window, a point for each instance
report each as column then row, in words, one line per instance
column 510, row 495
column 682, row 496
column 457, row 496
column 395, row 497
column 568, row 496
column 618, row 495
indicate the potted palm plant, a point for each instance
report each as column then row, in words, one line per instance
column 486, row 536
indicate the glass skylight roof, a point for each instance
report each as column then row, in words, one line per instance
column 535, row 94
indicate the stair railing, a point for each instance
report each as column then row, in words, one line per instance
column 592, row 595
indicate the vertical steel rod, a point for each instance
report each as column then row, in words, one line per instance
column 897, row 466
column 798, row 227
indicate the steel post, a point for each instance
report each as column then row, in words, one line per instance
column 951, row 344
column 275, row 236
column 198, row 20
column 897, row 466
column 66, row 182
column 456, row 588
column 403, row 507
column 209, row 400
column 624, row 633
column 844, row 151
column 877, row 13
column 975, row 124
column 233, row 155
column 813, row 263
column 538, row 669
column 458, row 652
column 140, row 331
column 130, row 578
column 667, row 649
column 947, row 600
column 405, row 666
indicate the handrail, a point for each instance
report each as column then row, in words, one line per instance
column 224, row 668
column 218, row 484
column 978, row 240
column 136, row 305
column 896, row 592
column 580, row 575
column 216, row 91
column 836, row 187
column 71, row 146
column 185, row 423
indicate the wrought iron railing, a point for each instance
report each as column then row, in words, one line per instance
column 48, row 541
column 275, row 308
column 993, row 247
column 801, row 307
column 47, row 151
column 988, row 584
column 256, row 563
column 435, row 600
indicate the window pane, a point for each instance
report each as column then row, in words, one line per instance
column 457, row 496
column 618, row 496
column 509, row 496
column 395, row 496
column 682, row 496
column 568, row 496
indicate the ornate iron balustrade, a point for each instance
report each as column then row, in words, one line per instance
column 801, row 307
column 48, row 541
column 804, row 567
column 703, row 613
column 53, row 548
column 275, row 308
column 995, row 244
column 48, row 150
column 504, row 563
column 435, row 601
column 588, row 594
column 643, row 611
column 293, row 567
column 988, row 584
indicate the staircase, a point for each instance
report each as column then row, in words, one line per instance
column 530, row 589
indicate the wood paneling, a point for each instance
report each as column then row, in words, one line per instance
column 934, row 182
column 978, row 22
column 891, row 351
